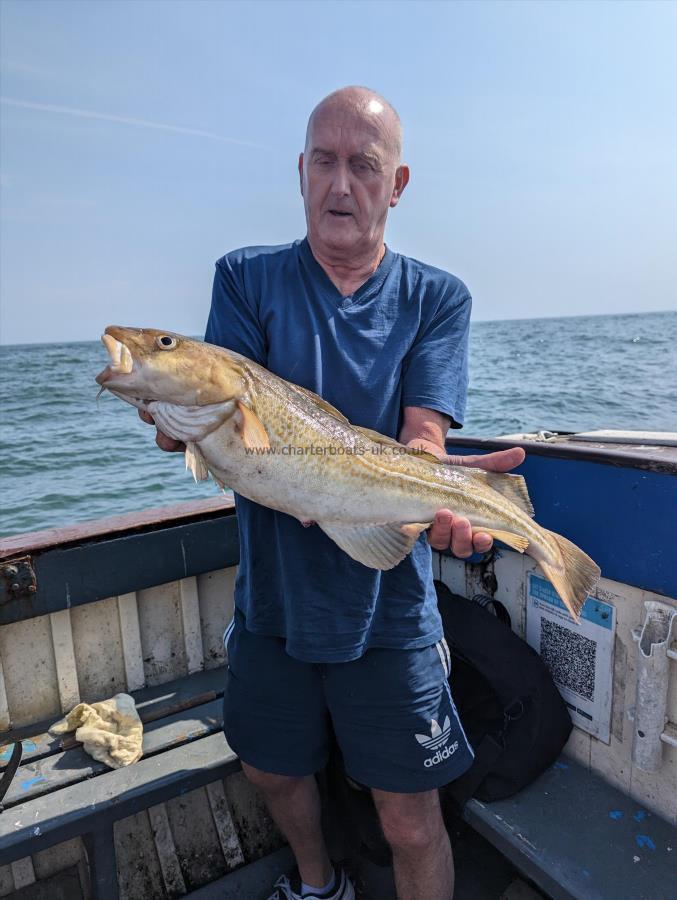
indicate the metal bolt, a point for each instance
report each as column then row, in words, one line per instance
column 8, row 571
column 15, row 587
column 32, row 589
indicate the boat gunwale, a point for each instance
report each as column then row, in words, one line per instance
column 632, row 456
column 139, row 521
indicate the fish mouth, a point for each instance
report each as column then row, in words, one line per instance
column 121, row 361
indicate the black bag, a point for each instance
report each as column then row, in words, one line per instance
column 510, row 709
column 512, row 712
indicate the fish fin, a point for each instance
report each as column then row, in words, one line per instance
column 512, row 487
column 516, row 541
column 195, row 461
column 386, row 441
column 424, row 455
column 321, row 402
column 376, row 546
column 577, row 577
column 379, row 439
column 251, row 427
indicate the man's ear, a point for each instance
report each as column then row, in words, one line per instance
column 301, row 172
column 401, row 181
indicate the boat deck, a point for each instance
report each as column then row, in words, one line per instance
column 139, row 603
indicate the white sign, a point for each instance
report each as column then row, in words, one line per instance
column 579, row 656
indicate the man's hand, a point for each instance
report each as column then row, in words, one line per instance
column 449, row 530
column 425, row 429
column 161, row 439
column 500, row 461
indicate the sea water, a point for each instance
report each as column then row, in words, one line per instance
column 68, row 458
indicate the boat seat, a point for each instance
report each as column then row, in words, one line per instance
column 576, row 836
column 60, row 792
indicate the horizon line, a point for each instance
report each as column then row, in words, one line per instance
column 651, row 312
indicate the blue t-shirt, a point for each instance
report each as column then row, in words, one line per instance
column 400, row 340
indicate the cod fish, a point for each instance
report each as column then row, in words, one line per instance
column 286, row 448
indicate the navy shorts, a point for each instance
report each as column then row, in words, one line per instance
column 391, row 710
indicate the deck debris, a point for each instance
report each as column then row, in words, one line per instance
column 111, row 730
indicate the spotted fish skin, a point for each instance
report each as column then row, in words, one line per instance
column 286, row 448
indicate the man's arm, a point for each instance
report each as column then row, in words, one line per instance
column 426, row 429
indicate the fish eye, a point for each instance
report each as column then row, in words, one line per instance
column 165, row 342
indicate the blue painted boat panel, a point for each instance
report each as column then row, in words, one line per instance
column 625, row 518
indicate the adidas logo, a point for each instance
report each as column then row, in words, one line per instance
column 441, row 755
column 438, row 736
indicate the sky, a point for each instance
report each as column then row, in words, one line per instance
column 140, row 141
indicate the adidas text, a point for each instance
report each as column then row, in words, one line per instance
column 441, row 755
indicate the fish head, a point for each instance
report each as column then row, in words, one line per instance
column 148, row 365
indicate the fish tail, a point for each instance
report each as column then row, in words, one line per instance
column 575, row 577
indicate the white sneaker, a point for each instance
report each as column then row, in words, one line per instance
column 286, row 889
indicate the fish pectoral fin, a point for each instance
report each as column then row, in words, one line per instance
column 376, row 546
column 195, row 461
column 251, row 428
column 516, row 541
column 386, row 441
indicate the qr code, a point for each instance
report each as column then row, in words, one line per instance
column 570, row 658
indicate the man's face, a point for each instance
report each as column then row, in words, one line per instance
column 349, row 179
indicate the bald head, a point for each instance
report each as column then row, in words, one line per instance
column 351, row 175
column 363, row 104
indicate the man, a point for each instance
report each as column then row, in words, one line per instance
column 316, row 634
